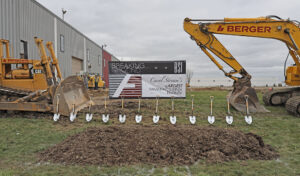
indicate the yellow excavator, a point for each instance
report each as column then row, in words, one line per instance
column 288, row 31
column 37, row 85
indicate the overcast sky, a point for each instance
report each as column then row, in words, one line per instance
column 153, row 30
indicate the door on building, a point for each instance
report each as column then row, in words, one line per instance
column 77, row 65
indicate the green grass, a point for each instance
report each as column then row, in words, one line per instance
column 21, row 139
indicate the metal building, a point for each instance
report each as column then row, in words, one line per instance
column 22, row 20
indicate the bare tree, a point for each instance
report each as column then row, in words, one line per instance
column 189, row 76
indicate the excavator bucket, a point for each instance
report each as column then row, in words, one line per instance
column 70, row 96
column 237, row 100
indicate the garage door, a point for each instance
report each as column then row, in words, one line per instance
column 77, row 65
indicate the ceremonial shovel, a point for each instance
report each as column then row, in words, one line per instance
column 229, row 118
column 192, row 117
column 211, row 118
column 248, row 118
column 138, row 117
column 173, row 117
column 156, row 116
column 122, row 117
column 105, row 117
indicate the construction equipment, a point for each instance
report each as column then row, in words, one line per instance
column 192, row 118
column 173, row 117
column 138, row 116
column 31, row 85
column 229, row 117
column 273, row 27
column 248, row 118
column 91, row 77
column 211, row 118
column 156, row 116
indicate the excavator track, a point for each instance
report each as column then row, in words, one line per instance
column 293, row 106
column 279, row 96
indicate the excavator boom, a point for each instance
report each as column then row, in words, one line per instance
column 272, row 27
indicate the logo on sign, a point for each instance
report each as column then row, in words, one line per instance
column 234, row 28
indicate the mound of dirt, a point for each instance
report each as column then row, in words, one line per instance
column 159, row 145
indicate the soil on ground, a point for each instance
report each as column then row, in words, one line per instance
column 158, row 145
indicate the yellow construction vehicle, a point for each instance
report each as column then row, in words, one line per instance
column 91, row 77
column 273, row 27
column 31, row 85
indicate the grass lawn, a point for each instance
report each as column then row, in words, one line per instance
column 22, row 138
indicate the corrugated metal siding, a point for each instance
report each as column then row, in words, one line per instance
column 25, row 19
column 95, row 52
column 9, row 20
column 34, row 22
column 73, row 46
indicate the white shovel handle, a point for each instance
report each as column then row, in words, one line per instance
column 139, row 109
column 228, row 105
column 247, row 106
column 57, row 97
column 211, row 104
column 192, row 105
column 156, row 108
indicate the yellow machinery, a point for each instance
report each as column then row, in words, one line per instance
column 31, row 85
column 91, row 79
column 273, row 27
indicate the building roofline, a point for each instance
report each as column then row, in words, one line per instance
column 63, row 21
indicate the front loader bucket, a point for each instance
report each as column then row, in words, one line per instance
column 237, row 100
column 70, row 96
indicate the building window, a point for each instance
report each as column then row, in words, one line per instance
column 62, row 43
column 24, row 49
column 88, row 55
column 99, row 59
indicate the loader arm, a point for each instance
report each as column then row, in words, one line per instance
column 45, row 61
column 265, row 27
column 55, row 63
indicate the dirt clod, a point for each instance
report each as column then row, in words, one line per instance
column 159, row 145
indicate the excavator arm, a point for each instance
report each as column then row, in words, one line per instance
column 272, row 27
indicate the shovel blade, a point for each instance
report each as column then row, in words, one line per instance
column 71, row 96
column 138, row 118
column 155, row 119
column 122, row 118
column 173, row 120
column 192, row 119
column 105, row 118
column 211, row 119
column 72, row 116
column 229, row 120
column 56, row 117
column 88, row 117
column 248, row 120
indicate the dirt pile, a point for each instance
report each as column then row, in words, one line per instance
column 158, row 145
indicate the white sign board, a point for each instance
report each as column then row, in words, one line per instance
column 164, row 79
